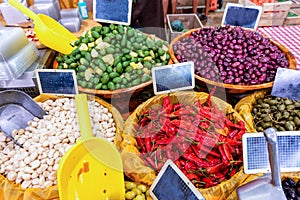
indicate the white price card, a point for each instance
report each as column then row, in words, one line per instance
column 171, row 183
column 112, row 11
column 172, row 78
column 287, row 84
column 255, row 152
column 60, row 82
column 241, row 15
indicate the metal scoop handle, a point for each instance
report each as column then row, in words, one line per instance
column 271, row 137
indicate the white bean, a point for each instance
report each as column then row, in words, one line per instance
column 11, row 176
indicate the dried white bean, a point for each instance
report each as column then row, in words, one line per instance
column 25, row 184
column 11, row 176
column 35, row 164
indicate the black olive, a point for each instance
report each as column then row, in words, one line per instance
column 298, row 188
column 291, row 193
column 291, row 182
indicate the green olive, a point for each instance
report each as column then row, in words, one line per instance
column 140, row 197
column 130, row 185
column 130, row 195
column 288, row 126
column 288, row 102
column 267, row 125
column 281, row 128
column 137, row 191
column 297, row 121
column 142, row 187
column 267, row 118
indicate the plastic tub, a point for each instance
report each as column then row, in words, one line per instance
column 47, row 9
column 72, row 24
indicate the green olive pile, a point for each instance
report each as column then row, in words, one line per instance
column 280, row 113
column 136, row 191
column 114, row 56
column 291, row 189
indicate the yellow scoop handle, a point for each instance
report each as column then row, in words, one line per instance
column 23, row 9
column 83, row 116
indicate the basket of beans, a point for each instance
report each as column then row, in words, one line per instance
column 234, row 58
column 30, row 171
column 114, row 59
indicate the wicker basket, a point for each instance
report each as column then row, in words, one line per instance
column 136, row 169
column 231, row 88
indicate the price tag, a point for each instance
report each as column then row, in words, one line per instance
column 60, row 82
column 171, row 183
column 255, row 152
column 172, row 78
column 115, row 12
column 287, row 84
column 241, row 15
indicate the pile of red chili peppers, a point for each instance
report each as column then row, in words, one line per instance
column 198, row 138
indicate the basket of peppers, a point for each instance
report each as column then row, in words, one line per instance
column 200, row 133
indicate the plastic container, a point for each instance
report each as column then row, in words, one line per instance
column 83, row 9
column 47, row 9
column 17, row 58
column 72, row 24
column 69, row 13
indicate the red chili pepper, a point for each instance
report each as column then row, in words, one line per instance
column 224, row 157
column 220, row 175
column 190, row 166
column 213, row 160
column 148, row 144
column 208, row 101
column 233, row 125
column 232, row 133
column 232, row 142
column 168, row 150
column 143, row 121
column 198, row 153
column 227, row 151
column 178, row 106
column 209, row 151
column 233, row 172
column 240, row 134
column 166, row 102
column 196, row 160
column 171, row 130
column 216, row 168
column 183, row 111
column 192, row 176
column 150, row 162
column 204, row 125
column 209, row 182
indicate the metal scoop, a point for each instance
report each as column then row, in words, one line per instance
column 266, row 187
column 50, row 33
column 16, row 110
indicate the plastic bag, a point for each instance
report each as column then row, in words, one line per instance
column 245, row 105
column 138, row 172
column 12, row 191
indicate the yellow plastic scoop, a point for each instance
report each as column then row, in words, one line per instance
column 92, row 168
column 50, row 33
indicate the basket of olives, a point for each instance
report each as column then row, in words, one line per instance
column 239, row 60
column 114, row 59
column 262, row 110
